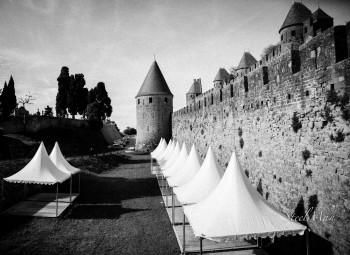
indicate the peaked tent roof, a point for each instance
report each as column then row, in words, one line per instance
column 246, row 61
column 180, row 161
column 203, row 183
column 160, row 148
column 59, row 161
column 196, row 88
column 40, row 170
column 297, row 14
column 222, row 75
column 235, row 210
column 154, row 83
column 167, row 154
column 188, row 170
column 161, row 155
column 173, row 157
column 320, row 14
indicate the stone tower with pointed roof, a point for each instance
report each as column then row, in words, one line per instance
column 154, row 106
column 246, row 61
column 195, row 90
column 292, row 27
column 221, row 78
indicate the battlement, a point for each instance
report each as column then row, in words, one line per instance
column 290, row 74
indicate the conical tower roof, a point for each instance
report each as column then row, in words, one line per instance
column 222, row 75
column 196, row 87
column 297, row 14
column 154, row 83
column 320, row 14
column 246, row 61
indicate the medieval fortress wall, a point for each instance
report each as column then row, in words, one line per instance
column 252, row 115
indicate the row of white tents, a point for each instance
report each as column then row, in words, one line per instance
column 45, row 169
column 220, row 205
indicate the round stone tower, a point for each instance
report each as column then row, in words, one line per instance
column 154, row 106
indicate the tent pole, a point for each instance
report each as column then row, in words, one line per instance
column 307, row 242
column 70, row 189
column 57, row 199
column 79, row 182
column 172, row 206
column 166, row 192
column 201, row 245
column 184, row 234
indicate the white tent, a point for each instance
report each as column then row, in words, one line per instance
column 173, row 156
column 165, row 152
column 178, row 163
column 40, row 170
column 235, row 210
column 167, row 155
column 203, row 183
column 59, row 161
column 160, row 148
column 62, row 164
column 188, row 170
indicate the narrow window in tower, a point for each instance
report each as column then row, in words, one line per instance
column 199, row 104
column 281, row 37
column 293, row 32
column 138, row 101
column 231, row 90
column 205, row 102
column 332, row 86
column 265, row 75
column 150, row 100
column 220, row 95
column 246, row 89
column 289, row 96
column 166, row 100
column 212, row 99
column 307, row 93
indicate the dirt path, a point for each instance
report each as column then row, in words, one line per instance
column 119, row 212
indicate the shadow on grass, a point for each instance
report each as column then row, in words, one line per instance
column 99, row 211
column 10, row 223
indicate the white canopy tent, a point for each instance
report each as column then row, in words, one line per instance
column 188, row 170
column 167, row 155
column 180, row 161
column 173, row 157
column 62, row 164
column 235, row 210
column 166, row 151
column 160, row 148
column 40, row 170
column 203, row 183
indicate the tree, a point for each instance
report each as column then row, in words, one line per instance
column 62, row 94
column 8, row 98
column 267, row 50
column 27, row 99
column 48, row 111
column 130, row 131
column 3, row 100
column 99, row 104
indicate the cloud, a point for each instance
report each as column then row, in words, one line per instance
column 46, row 7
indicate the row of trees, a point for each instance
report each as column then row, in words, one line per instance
column 74, row 98
column 8, row 100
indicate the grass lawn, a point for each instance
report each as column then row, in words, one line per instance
column 119, row 211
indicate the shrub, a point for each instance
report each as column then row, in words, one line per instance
column 240, row 132
column 259, row 188
column 308, row 173
column 313, row 202
column 346, row 114
column 327, row 115
column 306, row 154
column 241, row 143
column 344, row 100
column 338, row 138
column 296, row 125
column 267, row 195
column 332, row 97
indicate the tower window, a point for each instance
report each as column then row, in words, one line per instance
column 281, row 37
column 265, row 75
column 289, row 96
column 332, row 86
column 305, row 30
column 307, row 93
column 199, row 104
column 138, row 101
column 220, row 95
column 231, row 90
column 166, row 100
column 293, row 32
column 150, row 100
column 212, row 99
column 205, row 102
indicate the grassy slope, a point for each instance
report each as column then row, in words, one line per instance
column 118, row 212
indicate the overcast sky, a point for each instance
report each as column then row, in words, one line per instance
column 115, row 41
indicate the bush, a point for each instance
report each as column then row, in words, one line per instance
column 313, row 202
column 296, row 125
column 344, row 100
column 332, row 97
column 306, row 154
column 130, row 131
column 338, row 138
column 327, row 115
column 346, row 114
column 241, row 143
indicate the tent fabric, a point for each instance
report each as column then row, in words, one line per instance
column 178, row 163
column 160, row 148
column 173, row 156
column 188, row 170
column 235, row 210
column 167, row 155
column 59, row 161
column 166, row 151
column 203, row 183
column 40, row 170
